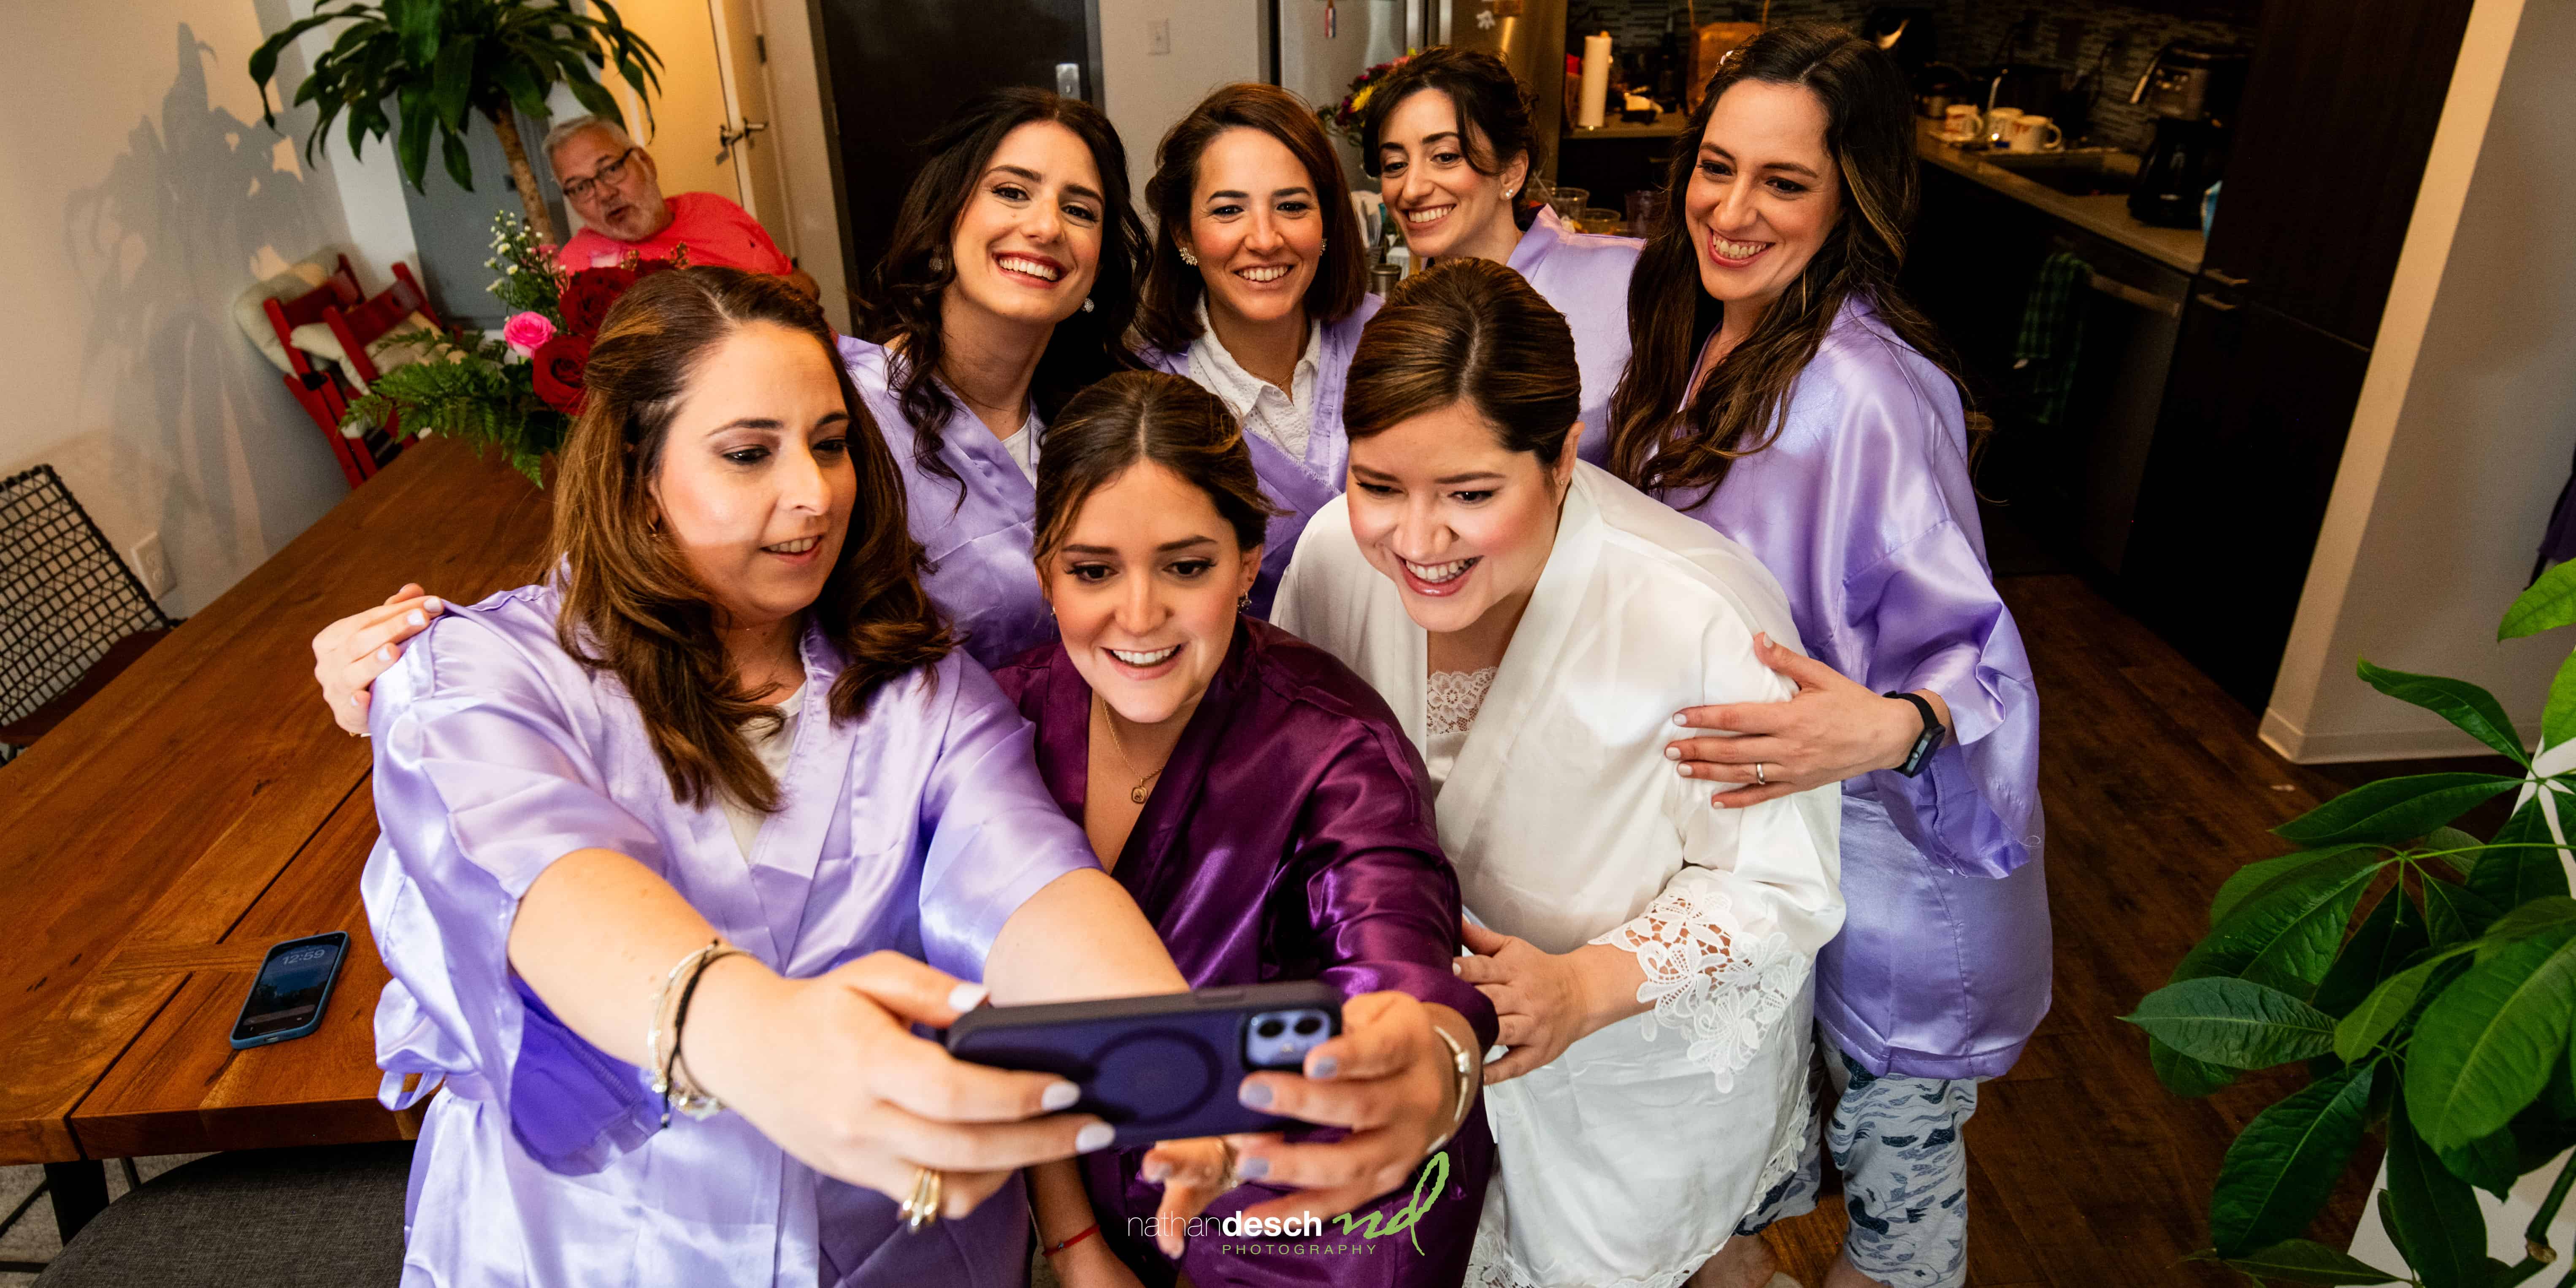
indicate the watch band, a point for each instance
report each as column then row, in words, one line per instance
column 1925, row 743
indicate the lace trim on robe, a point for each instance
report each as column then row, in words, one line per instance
column 1723, row 989
column 1451, row 703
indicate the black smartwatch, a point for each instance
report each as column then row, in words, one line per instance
column 1933, row 735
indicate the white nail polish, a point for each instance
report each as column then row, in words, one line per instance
column 966, row 997
column 1096, row 1136
column 1681, row 721
column 1672, row 753
column 1683, row 770
column 1059, row 1095
column 418, row 618
column 385, row 654
column 434, row 604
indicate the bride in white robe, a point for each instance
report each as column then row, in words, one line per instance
column 1535, row 623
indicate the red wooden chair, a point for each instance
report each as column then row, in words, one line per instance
column 355, row 322
column 357, row 326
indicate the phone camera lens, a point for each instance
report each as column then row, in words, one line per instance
column 1309, row 1025
column 1270, row 1027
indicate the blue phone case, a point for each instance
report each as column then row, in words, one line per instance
column 1155, row 1068
column 338, row 941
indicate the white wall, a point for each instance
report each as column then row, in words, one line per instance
column 143, row 193
column 1214, row 42
column 2467, row 421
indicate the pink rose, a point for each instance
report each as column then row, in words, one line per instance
column 524, row 332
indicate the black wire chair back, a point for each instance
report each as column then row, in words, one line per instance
column 65, row 596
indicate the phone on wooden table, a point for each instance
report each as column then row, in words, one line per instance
column 1161, row 1068
column 293, row 988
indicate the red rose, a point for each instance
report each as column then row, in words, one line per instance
column 559, row 364
column 588, row 295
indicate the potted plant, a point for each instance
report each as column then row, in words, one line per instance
column 2441, row 1021
column 439, row 61
column 515, row 394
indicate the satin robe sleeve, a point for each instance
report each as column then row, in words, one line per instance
column 996, row 836
column 1914, row 590
column 481, row 783
column 1382, row 900
column 1728, row 944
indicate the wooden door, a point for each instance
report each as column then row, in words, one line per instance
column 2340, row 108
column 2236, row 486
column 685, row 132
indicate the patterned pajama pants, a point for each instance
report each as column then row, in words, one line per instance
column 1897, row 1143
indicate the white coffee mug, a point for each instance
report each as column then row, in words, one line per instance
column 1960, row 121
column 2027, row 132
column 1997, row 131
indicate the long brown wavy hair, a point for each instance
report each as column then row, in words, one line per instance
column 1167, row 315
column 632, row 607
column 1739, row 409
column 904, row 290
column 1493, row 110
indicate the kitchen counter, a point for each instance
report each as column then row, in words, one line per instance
column 1613, row 127
column 2106, row 216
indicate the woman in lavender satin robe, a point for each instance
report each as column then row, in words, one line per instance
column 1448, row 136
column 1257, row 798
column 1257, row 290
column 1008, row 285
column 733, row 719
column 584, row 782
column 1814, row 428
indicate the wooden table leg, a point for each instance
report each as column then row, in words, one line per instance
column 79, row 1191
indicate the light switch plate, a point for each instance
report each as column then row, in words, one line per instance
column 1158, row 36
column 150, row 566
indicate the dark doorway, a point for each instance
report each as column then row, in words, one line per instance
column 894, row 69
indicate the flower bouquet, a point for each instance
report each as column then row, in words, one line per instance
column 1343, row 118
column 516, row 393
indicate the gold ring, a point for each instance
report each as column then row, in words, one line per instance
column 921, row 1211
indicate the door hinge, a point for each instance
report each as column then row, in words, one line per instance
column 760, row 47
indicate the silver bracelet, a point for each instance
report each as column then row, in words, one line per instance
column 672, row 1081
column 1464, row 1067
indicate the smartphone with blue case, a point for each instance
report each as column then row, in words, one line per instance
column 1161, row 1068
column 293, row 990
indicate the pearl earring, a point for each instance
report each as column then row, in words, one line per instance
column 1087, row 305
column 1188, row 258
column 1320, row 244
column 938, row 262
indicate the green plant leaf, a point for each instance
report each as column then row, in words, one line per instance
column 2466, row 847
column 460, row 163
column 2519, row 870
column 2430, row 1214
column 2379, row 1012
column 2283, row 1165
column 2530, row 919
column 411, row 138
column 517, row 82
column 2489, row 1162
column 2393, row 932
column 2546, row 604
column 2305, row 1261
column 2393, row 810
column 2558, row 716
column 418, row 23
column 2472, row 708
column 452, row 81
column 2235, row 1023
column 2183, row 1075
column 2486, row 1045
column 2245, row 882
column 2286, row 934
column 2454, row 914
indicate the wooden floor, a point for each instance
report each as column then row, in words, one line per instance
column 2084, row 1172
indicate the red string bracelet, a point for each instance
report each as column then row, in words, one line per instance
column 1087, row 1232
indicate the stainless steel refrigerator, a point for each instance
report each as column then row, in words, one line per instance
column 1316, row 47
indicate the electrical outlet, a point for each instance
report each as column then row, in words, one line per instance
column 151, row 566
column 1158, row 36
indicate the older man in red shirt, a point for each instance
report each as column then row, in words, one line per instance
column 611, row 182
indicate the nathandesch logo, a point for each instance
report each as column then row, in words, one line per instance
column 1376, row 1225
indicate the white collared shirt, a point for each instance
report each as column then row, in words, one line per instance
column 1283, row 418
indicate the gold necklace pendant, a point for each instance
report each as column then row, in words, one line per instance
column 1143, row 787
column 1138, row 793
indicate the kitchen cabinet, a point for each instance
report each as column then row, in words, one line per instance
column 2339, row 112
column 2245, row 456
column 2338, row 119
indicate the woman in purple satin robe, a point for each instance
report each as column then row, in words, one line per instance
column 1448, row 136
column 1008, row 285
column 1257, row 290
column 1256, row 797
column 728, row 744
column 1814, row 426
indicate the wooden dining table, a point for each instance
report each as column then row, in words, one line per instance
column 200, row 808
